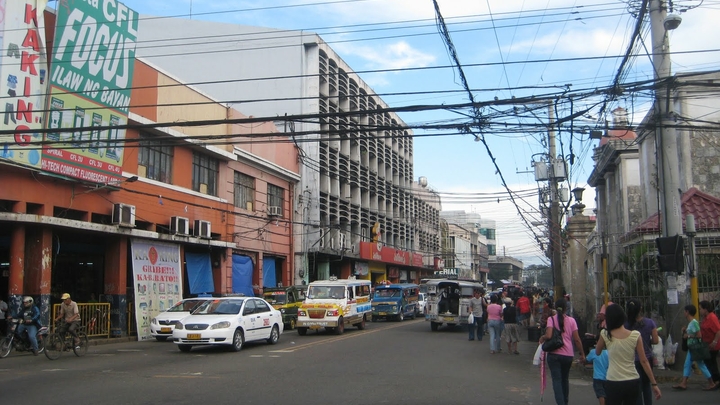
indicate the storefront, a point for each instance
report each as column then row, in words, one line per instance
column 391, row 265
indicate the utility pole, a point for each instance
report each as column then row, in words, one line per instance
column 667, row 156
column 554, row 225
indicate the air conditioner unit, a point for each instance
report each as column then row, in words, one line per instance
column 202, row 229
column 179, row 226
column 274, row 211
column 123, row 215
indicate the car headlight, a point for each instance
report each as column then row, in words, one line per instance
column 154, row 321
column 221, row 325
column 179, row 325
column 394, row 307
column 301, row 312
column 282, row 310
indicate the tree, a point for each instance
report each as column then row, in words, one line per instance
column 498, row 273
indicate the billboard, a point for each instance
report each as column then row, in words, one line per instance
column 157, row 281
column 23, row 67
column 90, row 78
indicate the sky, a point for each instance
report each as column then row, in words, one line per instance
column 507, row 49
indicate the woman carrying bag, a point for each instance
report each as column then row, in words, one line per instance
column 692, row 334
column 560, row 360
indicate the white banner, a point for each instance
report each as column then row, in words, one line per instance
column 157, row 281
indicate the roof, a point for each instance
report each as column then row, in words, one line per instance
column 705, row 208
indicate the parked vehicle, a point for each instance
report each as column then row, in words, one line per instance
column 21, row 343
column 448, row 301
column 287, row 300
column 422, row 301
column 162, row 326
column 332, row 304
column 231, row 321
column 395, row 301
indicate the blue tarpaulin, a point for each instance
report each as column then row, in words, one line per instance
column 269, row 278
column 199, row 271
column 242, row 270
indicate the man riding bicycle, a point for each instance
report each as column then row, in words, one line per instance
column 69, row 311
column 29, row 316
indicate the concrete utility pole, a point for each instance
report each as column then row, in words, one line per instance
column 667, row 156
column 554, row 225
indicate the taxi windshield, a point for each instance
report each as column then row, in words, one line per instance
column 275, row 297
column 220, row 307
column 185, row 306
column 387, row 293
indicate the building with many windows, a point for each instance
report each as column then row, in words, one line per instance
column 359, row 210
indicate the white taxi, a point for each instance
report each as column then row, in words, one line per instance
column 229, row 321
column 161, row 326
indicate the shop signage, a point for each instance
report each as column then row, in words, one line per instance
column 23, row 67
column 157, row 281
column 90, row 85
column 379, row 253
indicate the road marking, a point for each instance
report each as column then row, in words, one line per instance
column 184, row 376
column 129, row 350
column 257, row 355
column 54, row 369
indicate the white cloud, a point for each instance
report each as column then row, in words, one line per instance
column 397, row 55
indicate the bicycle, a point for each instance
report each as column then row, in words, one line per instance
column 57, row 343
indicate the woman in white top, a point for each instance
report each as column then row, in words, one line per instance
column 622, row 386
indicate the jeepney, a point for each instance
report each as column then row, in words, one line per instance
column 287, row 300
column 395, row 301
column 448, row 301
column 332, row 304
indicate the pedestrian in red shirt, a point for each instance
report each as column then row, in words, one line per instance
column 524, row 309
column 710, row 331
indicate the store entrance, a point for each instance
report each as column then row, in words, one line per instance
column 78, row 267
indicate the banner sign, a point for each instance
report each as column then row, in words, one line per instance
column 23, row 67
column 378, row 252
column 90, row 80
column 157, row 281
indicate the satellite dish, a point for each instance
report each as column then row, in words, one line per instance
column 422, row 181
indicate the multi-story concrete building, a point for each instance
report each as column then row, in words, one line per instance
column 466, row 247
column 360, row 212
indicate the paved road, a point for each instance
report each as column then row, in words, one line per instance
column 388, row 363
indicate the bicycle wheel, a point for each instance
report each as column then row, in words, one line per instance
column 5, row 347
column 54, row 346
column 82, row 348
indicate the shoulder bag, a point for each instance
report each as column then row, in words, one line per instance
column 555, row 342
column 698, row 349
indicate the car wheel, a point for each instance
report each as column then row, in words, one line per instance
column 238, row 340
column 361, row 325
column 161, row 338
column 341, row 326
column 274, row 335
column 292, row 324
column 434, row 326
column 184, row 348
column 302, row 331
column 401, row 316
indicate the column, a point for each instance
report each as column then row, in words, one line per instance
column 116, row 283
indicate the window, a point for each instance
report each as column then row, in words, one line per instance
column 205, row 174
column 244, row 191
column 275, row 197
column 491, row 250
column 155, row 160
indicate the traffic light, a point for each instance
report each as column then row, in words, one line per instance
column 670, row 256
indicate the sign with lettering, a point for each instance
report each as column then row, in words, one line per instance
column 90, row 85
column 380, row 253
column 23, row 67
column 157, row 280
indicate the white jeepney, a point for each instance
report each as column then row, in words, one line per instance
column 332, row 304
column 448, row 301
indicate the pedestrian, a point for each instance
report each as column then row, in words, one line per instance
column 622, row 386
column 692, row 331
column 649, row 335
column 524, row 309
column 546, row 312
column 476, row 308
column 511, row 331
column 494, row 323
column 710, row 331
column 600, row 367
column 559, row 361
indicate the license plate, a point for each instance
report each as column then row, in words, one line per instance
column 193, row 336
column 449, row 318
column 382, row 313
column 165, row 330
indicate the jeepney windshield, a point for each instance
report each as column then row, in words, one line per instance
column 326, row 292
column 275, row 297
column 387, row 293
